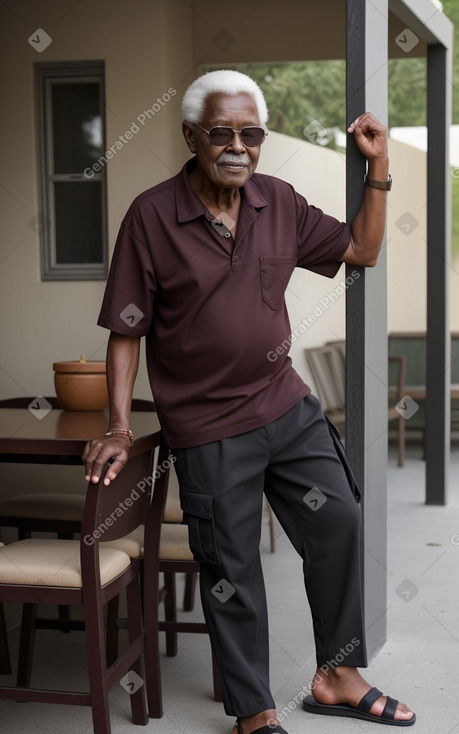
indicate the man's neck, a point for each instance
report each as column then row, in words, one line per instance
column 214, row 198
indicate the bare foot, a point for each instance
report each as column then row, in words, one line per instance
column 345, row 685
column 252, row 723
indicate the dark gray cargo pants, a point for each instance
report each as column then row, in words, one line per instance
column 298, row 462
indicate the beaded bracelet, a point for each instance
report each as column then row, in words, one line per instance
column 123, row 432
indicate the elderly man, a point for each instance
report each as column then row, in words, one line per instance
column 202, row 261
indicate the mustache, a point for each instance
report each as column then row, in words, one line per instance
column 239, row 159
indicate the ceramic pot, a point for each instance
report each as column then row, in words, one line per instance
column 81, row 385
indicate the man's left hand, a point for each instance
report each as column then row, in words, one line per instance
column 370, row 136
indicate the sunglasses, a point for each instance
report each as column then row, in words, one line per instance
column 220, row 135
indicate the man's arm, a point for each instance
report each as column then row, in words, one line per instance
column 367, row 227
column 122, row 366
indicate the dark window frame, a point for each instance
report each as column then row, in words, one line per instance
column 45, row 75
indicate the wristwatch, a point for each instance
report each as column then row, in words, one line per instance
column 386, row 185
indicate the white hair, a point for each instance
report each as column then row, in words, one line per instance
column 224, row 80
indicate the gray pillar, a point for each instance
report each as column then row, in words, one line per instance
column 366, row 327
column 438, row 379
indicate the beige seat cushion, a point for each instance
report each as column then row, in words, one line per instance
column 43, row 562
column 132, row 544
column 47, row 505
column 174, row 543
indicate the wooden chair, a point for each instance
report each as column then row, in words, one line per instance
column 50, row 512
column 29, row 513
column 83, row 573
column 328, row 369
column 173, row 517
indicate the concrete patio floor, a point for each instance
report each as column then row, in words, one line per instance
column 418, row 664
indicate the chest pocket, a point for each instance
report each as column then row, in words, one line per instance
column 275, row 274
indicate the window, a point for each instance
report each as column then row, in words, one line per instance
column 71, row 125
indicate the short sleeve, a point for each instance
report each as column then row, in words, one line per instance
column 322, row 240
column 127, row 306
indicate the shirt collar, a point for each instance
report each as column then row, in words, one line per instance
column 189, row 205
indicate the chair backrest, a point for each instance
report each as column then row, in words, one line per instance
column 339, row 345
column 413, row 346
column 115, row 510
column 24, row 402
column 327, row 365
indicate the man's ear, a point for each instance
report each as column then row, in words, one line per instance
column 189, row 136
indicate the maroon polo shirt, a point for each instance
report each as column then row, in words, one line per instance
column 211, row 308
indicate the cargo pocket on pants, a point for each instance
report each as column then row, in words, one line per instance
column 199, row 516
column 336, row 438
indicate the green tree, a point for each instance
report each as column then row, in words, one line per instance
column 407, row 92
column 451, row 9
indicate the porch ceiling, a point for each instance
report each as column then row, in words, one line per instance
column 295, row 30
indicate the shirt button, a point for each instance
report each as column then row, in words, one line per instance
column 227, row 234
column 236, row 257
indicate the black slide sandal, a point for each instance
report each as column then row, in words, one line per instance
column 361, row 711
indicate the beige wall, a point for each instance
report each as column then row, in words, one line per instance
column 407, row 247
column 406, row 239
column 45, row 322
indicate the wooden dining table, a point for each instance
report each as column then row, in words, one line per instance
column 56, row 436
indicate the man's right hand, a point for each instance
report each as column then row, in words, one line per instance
column 100, row 450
